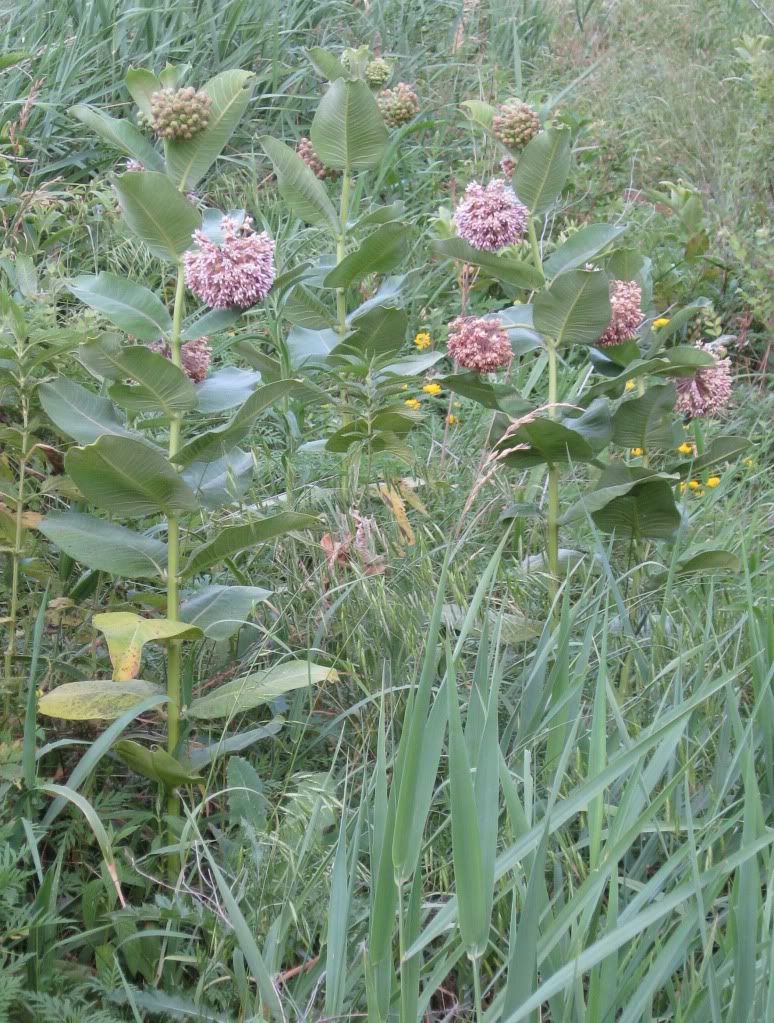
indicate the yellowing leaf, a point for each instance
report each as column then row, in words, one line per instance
column 394, row 502
column 127, row 633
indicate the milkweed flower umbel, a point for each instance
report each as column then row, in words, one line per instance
column 235, row 273
column 626, row 313
column 707, row 391
column 490, row 217
column 479, row 345
column 515, row 123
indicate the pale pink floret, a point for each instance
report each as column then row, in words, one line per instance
column 708, row 391
column 478, row 344
column 490, row 217
column 234, row 274
column 626, row 313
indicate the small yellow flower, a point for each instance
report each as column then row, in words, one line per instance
column 662, row 321
column 404, row 387
column 457, row 404
column 630, row 385
column 412, row 403
column 694, row 485
column 452, row 420
column 749, row 462
column 422, row 340
column 637, row 452
column 432, row 388
column 713, row 481
column 686, row 448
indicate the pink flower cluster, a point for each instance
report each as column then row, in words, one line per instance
column 490, row 217
column 479, row 344
column 194, row 355
column 234, row 274
column 626, row 313
column 707, row 391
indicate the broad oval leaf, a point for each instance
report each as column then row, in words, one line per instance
column 630, row 502
column 127, row 633
column 575, row 309
column 130, row 306
column 208, row 322
column 306, row 346
column 157, row 213
column 160, row 386
column 188, row 160
column 79, row 413
column 299, row 187
column 502, row 267
column 156, row 764
column 348, row 132
column 226, row 389
column 720, row 449
column 105, row 546
column 648, row 422
column 129, row 478
column 95, row 700
column 542, row 169
column 261, row 687
column 233, row 539
column 379, row 331
column 217, row 443
column 582, row 246
column 120, row 133
column 220, row 482
column 326, row 63
column 477, row 387
column 380, row 252
column 220, row 611
column 141, row 84
column 557, row 441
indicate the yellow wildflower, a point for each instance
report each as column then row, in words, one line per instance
column 686, row 448
column 662, row 321
column 694, row 485
column 422, row 340
column 637, row 452
column 452, row 420
column 412, row 403
column 457, row 404
column 630, row 385
column 432, row 388
column 748, row 462
column 713, row 481
column 404, row 387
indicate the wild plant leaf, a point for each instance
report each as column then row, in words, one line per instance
column 307, row 346
column 188, row 160
column 720, row 449
column 223, row 481
column 648, row 422
column 542, row 169
column 380, row 252
column 300, row 188
column 120, row 133
column 79, row 413
column 220, row 611
column 348, row 132
column 157, row 213
column 581, row 247
column 630, row 502
column 129, row 478
column 130, row 306
column 156, row 764
column 101, row 700
column 241, row 694
column 226, row 389
column 575, row 309
column 159, row 385
column 127, row 633
column 218, row 442
column 378, row 332
column 558, row 441
column 208, row 322
column 504, row 268
column 104, row 546
column 141, row 85
column 233, row 539
column 326, row 63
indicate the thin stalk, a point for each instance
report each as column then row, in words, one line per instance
column 13, row 610
column 341, row 251
column 477, row 988
column 174, row 659
column 534, row 245
column 553, row 480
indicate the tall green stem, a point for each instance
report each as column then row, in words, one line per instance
column 534, row 245
column 553, row 478
column 13, row 609
column 477, row 989
column 341, row 251
column 174, row 660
